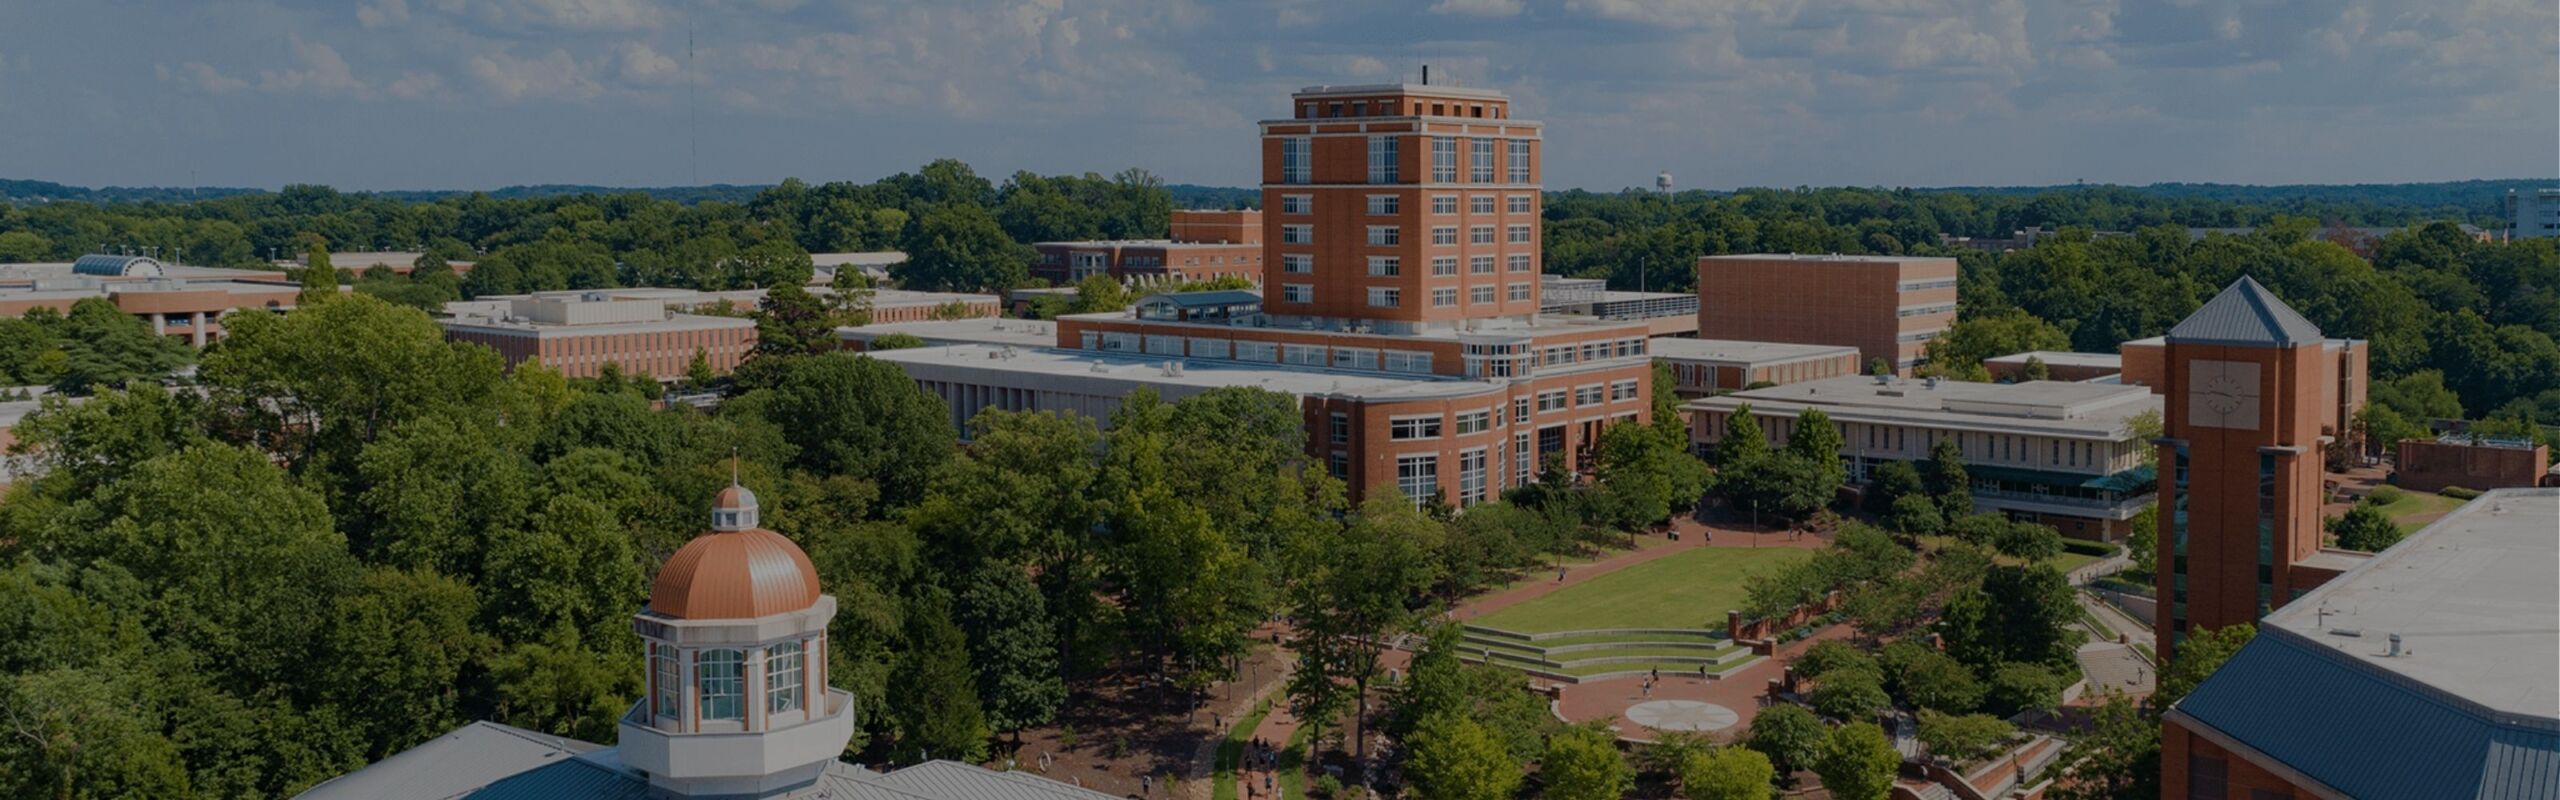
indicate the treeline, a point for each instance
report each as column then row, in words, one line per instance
column 355, row 535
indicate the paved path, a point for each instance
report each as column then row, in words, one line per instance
column 1744, row 691
column 2111, row 667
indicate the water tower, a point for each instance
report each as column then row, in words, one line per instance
column 1662, row 182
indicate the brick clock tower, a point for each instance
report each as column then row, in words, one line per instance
column 2247, row 390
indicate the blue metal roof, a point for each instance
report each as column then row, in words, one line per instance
column 1210, row 299
column 115, row 266
column 2245, row 313
column 571, row 778
column 2366, row 735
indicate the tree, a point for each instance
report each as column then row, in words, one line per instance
column 894, row 341
column 938, row 713
column 1582, row 763
column 1829, row 655
column 2196, row 659
column 2118, row 755
column 74, row 733
column 1975, row 338
column 2143, row 543
column 397, row 647
column 2017, row 687
column 960, row 248
column 698, row 373
column 792, row 322
column 1730, row 773
column 1789, row 735
column 858, row 417
column 103, row 346
column 2144, row 428
column 1012, row 645
column 2019, row 614
column 18, row 247
column 1945, row 477
column 1353, row 585
column 319, row 280
column 1935, row 681
column 1890, row 482
column 1857, row 763
column 2036, row 370
column 2365, row 528
column 1453, row 757
column 1914, row 514
column 1849, row 694
column 1961, row 738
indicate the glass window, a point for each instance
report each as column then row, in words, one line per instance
column 1297, row 293
column 1471, row 488
column 1408, row 361
column 1481, row 234
column 1385, row 297
column 1355, row 358
column 1519, row 291
column 1296, row 160
column 1480, row 265
column 1519, row 202
column 1474, row 422
column 1480, row 294
column 1384, row 235
column 1302, row 355
column 1300, row 263
column 1444, row 234
column 1519, row 161
column 1208, row 348
column 1519, row 262
column 1257, row 351
column 1444, row 266
column 1586, row 395
column 720, row 677
column 1339, row 430
column 1385, row 266
column 1444, row 159
column 782, row 678
column 1481, row 161
column 1297, row 234
column 1382, row 159
column 1551, row 400
column 1524, row 460
column 1406, row 429
column 1444, row 204
column 1442, row 298
column 1385, row 204
column 1297, row 203
column 1480, row 204
column 1519, row 234
column 662, row 662
column 1418, row 477
column 1339, row 464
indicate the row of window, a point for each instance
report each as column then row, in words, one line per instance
column 1391, row 205
column 720, row 680
column 1928, row 283
column 1393, row 266
column 1357, row 358
column 1297, row 159
column 1590, row 351
column 1393, row 297
column 1922, row 311
column 1920, row 336
column 1390, row 108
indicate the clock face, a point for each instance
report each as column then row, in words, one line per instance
column 2223, row 394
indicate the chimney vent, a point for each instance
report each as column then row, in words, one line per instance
column 2395, row 645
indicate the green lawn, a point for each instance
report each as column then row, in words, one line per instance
column 1691, row 590
column 1231, row 751
column 2415, row 503
column 2069, row 561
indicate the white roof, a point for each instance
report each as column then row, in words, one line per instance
column 1673, row 348
column 2473, row 597
column 2051, row 408
column 2060, row 358
column 982, row 330
column 1113, row 375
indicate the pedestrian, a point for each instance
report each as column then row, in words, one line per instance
column 1657, row 676
column 1559, row 573
column 1147, row 785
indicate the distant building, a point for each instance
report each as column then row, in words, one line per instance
column 2064, row 454
column 1664, row 313
column 360, row 262
column 2454, row 459
column 1702, row 367
column 2430, row 671
column 876, row 266
column 1888, row 307
column 2059, row 365
column 999, row 331
column 577, row 333
column 1215, row 226
column 178, row 301
column 1204, row 245
column 2534, row 214
column 736, row 703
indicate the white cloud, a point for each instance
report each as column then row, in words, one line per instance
column 204, row 77
column 565, row 15
column 319, row 70
column 1478, row 8
column 414, row 85
column 552, row 76
column 387, row 14
column 641, row 65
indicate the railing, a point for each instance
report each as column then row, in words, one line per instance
column 2061, row 499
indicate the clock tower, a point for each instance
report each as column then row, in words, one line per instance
column 2246, row 384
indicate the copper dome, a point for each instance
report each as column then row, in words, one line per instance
column 739, row 574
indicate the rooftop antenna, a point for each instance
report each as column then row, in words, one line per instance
column 1426, row 74
column 692, row 109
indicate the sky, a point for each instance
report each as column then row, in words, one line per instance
column 478, row 94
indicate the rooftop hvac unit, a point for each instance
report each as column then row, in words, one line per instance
column 1173, row 369
column 1100, row 367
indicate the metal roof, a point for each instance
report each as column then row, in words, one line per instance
column 454, row 764
column 103, row 265
column 955, row 780
column 741, row 574
column 2364, row 735
column 573, row 778
column 2245, row 313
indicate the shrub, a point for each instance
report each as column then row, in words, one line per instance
column 1962, row 737
column 1788, row 734
column 2089, row 548
column 2019, row 687
column 1831, row 654
column 2386, row 495
column 2459, row 492
column 1850, row 694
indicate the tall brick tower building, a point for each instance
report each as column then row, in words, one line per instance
column 1402, row 207
column 2249, row 384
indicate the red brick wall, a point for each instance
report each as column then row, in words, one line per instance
column 2241, row 776
column 664, row 355
column 1810, row 300
column 2222, row 506
column 2427, row 466
column 1239, row 226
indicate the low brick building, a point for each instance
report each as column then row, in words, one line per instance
column 2455, row 460
column 1702, row 367
column 577, row 333
column 1888, row 307
column 1203, row 245
column 2058, row 366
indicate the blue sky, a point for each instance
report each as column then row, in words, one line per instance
column 381, row 94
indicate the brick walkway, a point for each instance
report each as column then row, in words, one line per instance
column 1743, row 690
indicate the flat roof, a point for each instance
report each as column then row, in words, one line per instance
column 1491, row 330
column 1407, row 88
column 903, row 297
column 48, row 270
column 2055, row 408
column 1673, row 347
column 879, row 259
column 2473, row 597
column 673, row 322
column 1063, row 369
column 1826, row 257
column 1164, row 243
column 1626, row 297
column 981, row 330
column 2061, row 358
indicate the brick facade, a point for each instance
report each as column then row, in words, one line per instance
column 1887, row 307
column 2426, row 466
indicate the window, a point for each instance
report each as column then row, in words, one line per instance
column 1519, row 202
column 1481, row 161
column 1302, row 355
column 1382, row 159
column 1520, row 410
column 1471, row 477
column 1406, row 429
column 1587, row 395
column 1519, row 234
column 1297, row 293
column 1444, row 159
column 1339, row 430
column 2208, row 778
column 1519, row 291
column 1622, row 390
column 1941, row 283
column 1385, row 266
column 1208, row 348
column 1443, row 298
column 1444, row 204
column 782, row 678
column 1265, row 352
column 1297, row 203
column 1551, row 400
column 1480, row 294
column 1519, row 161
column 1519, row 262
column 1385, row 297
column 1480, row 265
column 1299, row 263
column 1444, row 266
column 1418, row 477
column 719, row 676
column 1120, row 342
column 1296, row 160
column 1475, row 422
column 1297, row 234
column 1338, row 463
column 1919, row 336
column 1385, row 235
column 1444, row 234
column 1385, row 205
column 1164, row 345
column 1480, row 204
column 1407, row 361
column 1922, row 311
column 662, row 663
column 1481, row 234
column 1359, row 358
column 1524, row 460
